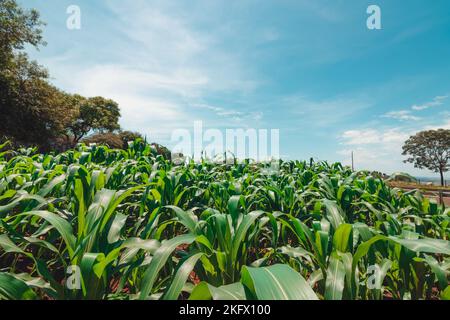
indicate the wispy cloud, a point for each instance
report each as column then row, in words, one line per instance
column 381, row 149
column 374, row 149
column 410, row 114
column 162, row 67
column 373, row 136
column 165, row 39
column 437, row 101
column 236, row 115
column 403, row 115
column 246, row 63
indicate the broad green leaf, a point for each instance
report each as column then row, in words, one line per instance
column 158, row 261
column 343, row 238
column 12, row 288
column 334, row 285
column 62, row 226
column 49, row 186
column 277, row 282
column 241, row 232
column 334, row 213
column 205, row 291
column 445, row 295
column 116, row 227
column 180, row 277
column 188, row 219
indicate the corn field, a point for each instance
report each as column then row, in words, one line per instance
column 100, row 223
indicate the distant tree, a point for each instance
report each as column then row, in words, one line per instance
column 96, row 114
column 429, row 149
column 113, row 140
column 110, row 139
column 379, row 175
column 32, row 111
column 120, row 140
column 128, row 136
column 162, row 150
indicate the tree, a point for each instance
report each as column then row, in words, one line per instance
column 162, row 150
column 113, row 140
column 96, row 114
column 18, row 27
column 429, row 149
column 34, row 112
column 128, row 136
column 110, row 139
column 29, row 105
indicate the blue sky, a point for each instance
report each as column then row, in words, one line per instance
column 311, row 69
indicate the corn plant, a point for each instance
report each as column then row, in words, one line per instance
column 130, row 224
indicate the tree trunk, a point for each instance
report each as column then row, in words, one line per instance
column 442, row 177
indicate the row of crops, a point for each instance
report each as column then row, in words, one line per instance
column 98, row 223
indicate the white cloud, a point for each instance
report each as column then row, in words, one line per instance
column 403, row 115
column 374, row 149
column 381, row 149
column 121, row 78
column 373, row 136
column 237, row 116
column 163, row 68
column 357, row 137
column 437, row 101
column 164, row 38
column 407, row 115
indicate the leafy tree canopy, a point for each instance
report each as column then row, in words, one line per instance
column 113, row 140
column 430, row 150
column 18, row 27
column 93, row 115
column 34, row 112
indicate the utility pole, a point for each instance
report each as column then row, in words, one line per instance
column 353, row 163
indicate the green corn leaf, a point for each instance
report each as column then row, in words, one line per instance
column 12, row 288
column 343, row 238
column 205, row 291
column 334, row 285
column 180, row 277
column 277, row 282
column 158, row 261
column 62, row 226
column 188, row 219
